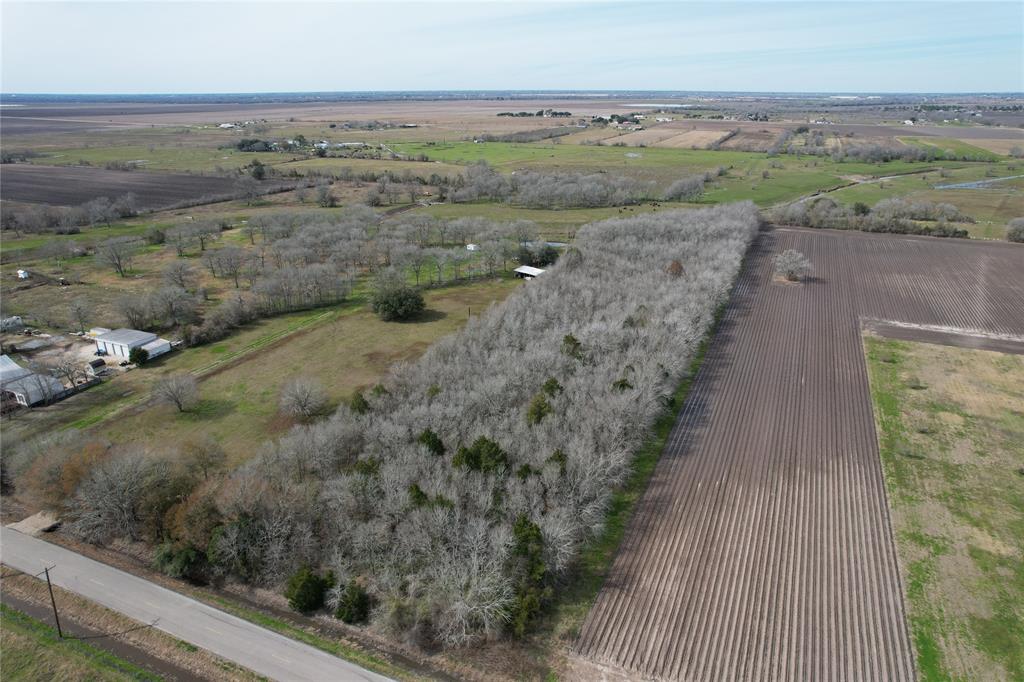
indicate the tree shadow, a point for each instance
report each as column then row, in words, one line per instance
column 430, row 315
column 210, row 408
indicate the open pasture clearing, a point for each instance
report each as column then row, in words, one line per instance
column 71, row 186
column 789, row 178
column 991, row 206
column 999, row 146
column 335, row 166
column 951, row 429
column 345, row 348
column 178, row 158
column 762, row 547
column 950, row 145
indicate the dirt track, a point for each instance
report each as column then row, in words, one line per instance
column 762, row 548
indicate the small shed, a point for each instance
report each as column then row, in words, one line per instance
column 120, row 343
column 527, row 272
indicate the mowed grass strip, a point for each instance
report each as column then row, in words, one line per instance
column 951, row 433
column 346, row 350
column 32, row 651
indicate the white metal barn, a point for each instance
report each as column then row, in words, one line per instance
column 528, row 272
column 120, row 343
column 25, row 386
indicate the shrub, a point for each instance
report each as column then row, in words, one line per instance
column 1015, row 230
column 552, row 387
column 433, row 443
column 353, row 604
column 538, row 409
column 572, row 347
column 394, row 299
column 792, row 265
column 138, row 356
column 358, row 404
column 529, row 572
column 180, row 562
column 305, row 590
column 483, row 455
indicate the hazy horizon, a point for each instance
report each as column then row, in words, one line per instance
column 161, row 48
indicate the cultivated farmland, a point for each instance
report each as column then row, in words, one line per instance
column 70, row 186
column 762, row 548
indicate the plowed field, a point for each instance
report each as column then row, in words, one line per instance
column 762, row 548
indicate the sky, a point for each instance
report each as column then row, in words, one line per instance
column 233, row 46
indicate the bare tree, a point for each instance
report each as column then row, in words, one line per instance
column 118, row 253
column 80, row 310
column 231, row 260
column 303, row 398
column 180, row 274
column 181, row 237
column 792, row 265
column 135, row 310
column 179, row 390
column 203, row 456
column 204, row 233
column 68, row 367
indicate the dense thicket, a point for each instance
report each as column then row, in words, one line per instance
column 449, row 494
column 895, row 215
column 549, row 190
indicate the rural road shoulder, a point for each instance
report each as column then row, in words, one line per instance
column 262, row 651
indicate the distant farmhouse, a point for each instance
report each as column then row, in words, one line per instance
column 120, row 342
column 25, row 387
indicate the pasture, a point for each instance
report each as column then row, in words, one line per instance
column 346, row 349
column 951, row 431
column 992, row 206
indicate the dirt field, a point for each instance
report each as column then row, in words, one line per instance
column 691, row 139
column 70, row 186
column 762, row 548
column 951, row 430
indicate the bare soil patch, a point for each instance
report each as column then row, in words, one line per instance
column 73, row 185
column 762, row 548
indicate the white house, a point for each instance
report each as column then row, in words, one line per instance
column 472, row 247
column 25, row 386
column 120, row 343
column 527, row 272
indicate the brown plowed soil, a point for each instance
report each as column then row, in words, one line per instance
column 762, row 548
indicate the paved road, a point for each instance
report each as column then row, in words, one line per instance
column 260, row 650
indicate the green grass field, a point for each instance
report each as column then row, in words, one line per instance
column 345, row 348
column 991, row 207
column 948, row 144
column 32, row 652
column 196, row 159
column 334, row 165
column 951, row 435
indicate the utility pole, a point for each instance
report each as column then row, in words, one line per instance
column 53, row 603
